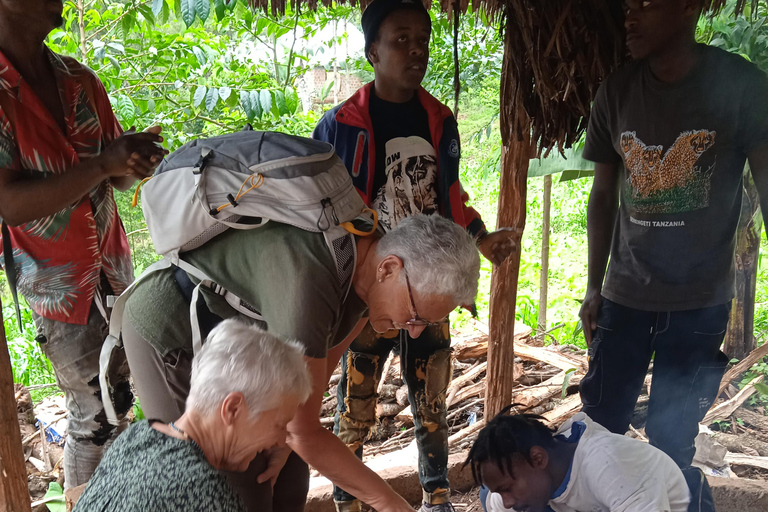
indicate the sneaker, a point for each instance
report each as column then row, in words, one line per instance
column 348, row 506
column 442, row 507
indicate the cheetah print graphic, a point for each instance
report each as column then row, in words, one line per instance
column 653, row 178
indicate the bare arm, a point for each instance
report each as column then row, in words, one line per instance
column 758, row 163
column 24, row 198
column 601, row 218
column 326, row 452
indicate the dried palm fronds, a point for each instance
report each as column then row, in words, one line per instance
column 561, row 51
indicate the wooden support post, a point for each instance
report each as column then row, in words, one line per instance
column 544, row 277
column 14, row 495
column 515, row 156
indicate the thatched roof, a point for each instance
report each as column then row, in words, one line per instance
column 557, row 52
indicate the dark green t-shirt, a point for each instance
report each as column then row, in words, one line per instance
column 681, row 149
column 146, row 470
column 284, row 272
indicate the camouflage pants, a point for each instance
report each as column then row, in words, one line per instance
column 426, row 368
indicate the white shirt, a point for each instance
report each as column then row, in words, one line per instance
column 615, row 473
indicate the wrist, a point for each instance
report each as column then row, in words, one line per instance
column 481, row 236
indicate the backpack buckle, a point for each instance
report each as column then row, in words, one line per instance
column 205, row 155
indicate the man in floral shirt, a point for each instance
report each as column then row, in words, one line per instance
column 61, row 152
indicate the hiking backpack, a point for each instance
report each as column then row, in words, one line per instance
column 240, row 181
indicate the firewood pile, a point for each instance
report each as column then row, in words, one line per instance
column 547, row 384
column 547, row 380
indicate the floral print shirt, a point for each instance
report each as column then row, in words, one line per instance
column 59, row 259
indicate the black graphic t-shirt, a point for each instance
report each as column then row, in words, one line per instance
column 682, row 149
column 405, row 180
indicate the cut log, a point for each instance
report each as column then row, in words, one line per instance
column 556, row 359
column 466, row 432
column 388, row 392
column 383, row 410
column 385, row 372
column 405, row 418
column 476, row 347
column 463, row 379
column 745, row 364
column 563, row 411
column 747, row 460
column 725, row 409
column 753, row 419
column 737, row 444
column 475, row 389
column 402, row 395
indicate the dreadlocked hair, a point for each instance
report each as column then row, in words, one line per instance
column 507, row 435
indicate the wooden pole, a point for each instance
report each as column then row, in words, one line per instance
column 544, row 277
column 14, row 495
column 515, row 155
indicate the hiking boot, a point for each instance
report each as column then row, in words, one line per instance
column 348, row 506
column 440, row 507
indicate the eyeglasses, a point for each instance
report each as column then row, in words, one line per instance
column 637, row 5
column 416, row 321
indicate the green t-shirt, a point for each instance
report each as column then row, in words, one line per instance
column 146, row 470
column 285, row 272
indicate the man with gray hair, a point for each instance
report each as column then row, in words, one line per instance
column 406, row 279
column 246, row 385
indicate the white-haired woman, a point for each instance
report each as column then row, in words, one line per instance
column 245, row 387
column 410, row 277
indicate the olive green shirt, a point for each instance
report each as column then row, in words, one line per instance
column 284, row 272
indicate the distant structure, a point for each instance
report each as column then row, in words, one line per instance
column 310, row 86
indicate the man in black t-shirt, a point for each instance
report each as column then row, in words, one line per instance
column 401, row 147
column 669, row 134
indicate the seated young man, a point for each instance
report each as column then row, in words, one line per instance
column 581, row 467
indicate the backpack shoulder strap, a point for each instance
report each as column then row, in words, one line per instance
column 343, row 249
column 114, row 339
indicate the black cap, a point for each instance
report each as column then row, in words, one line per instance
column 377, row 12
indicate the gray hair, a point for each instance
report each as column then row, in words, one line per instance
column 245, row 358
column 439, row 256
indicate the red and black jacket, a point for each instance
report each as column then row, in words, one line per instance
column 348, row 127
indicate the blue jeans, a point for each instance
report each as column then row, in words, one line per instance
column 688, row 367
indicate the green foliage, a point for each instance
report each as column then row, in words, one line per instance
column 761, row 397
column 30, row 366
column 747, row 35
column 57, row 501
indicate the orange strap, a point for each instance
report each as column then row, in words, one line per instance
column 352, row 229
column 136, row 193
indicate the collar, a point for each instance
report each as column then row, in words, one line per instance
column 10, row 78
column 577, row 430
column 355, row 109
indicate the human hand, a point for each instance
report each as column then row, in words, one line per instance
column 499, row 244
column 133, row 153
column 276, row 459
column 589, row 311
